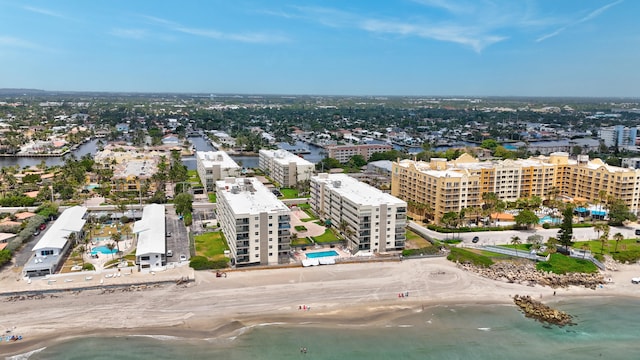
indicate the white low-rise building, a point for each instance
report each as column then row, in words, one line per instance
column 213, row 166
column 55, row 242
column 285, row 168
column 256, row 224
column 151, row 242
column 370, row 220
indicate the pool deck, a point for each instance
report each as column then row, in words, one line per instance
column 300, row 255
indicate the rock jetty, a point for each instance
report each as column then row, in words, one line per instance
column 526, row 273
column 541, row 312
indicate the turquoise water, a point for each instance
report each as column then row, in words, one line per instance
column 103, row 250
column 549, row 219
column 320, row 254
column 605, row 329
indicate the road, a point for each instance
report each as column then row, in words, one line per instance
column 504, row 237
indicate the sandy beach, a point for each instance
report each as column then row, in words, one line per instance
column 345, row 294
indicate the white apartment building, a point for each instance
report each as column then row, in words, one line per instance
column 151, row 241
column 213, row 166
column 285, row 168
column 370, row 219
column 256, row 224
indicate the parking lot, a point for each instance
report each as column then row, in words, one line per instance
column 177, row 238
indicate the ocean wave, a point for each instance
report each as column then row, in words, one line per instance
column 25, row 355
column 159, row 337
column 484, row 329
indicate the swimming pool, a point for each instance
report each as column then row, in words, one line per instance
column 320, row 254
column 550, row 220
column 103, row 250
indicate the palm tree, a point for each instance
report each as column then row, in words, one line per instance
column 110, row 246
column 604, row 238
column 617, row 238
column 515, row 241
column 598, row 227
column 73, row 238
column 584, row 247
column 81, row 250
column 116, row 237
column 552, row 244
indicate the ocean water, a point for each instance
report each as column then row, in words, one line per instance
column 606, row 328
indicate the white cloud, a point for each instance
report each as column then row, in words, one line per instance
column 14, row 42
column 246, row 37
column 137, row 34
column 43, row 11
column 592, row 15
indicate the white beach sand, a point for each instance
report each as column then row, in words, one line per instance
column 339, row 294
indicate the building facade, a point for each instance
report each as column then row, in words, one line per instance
column 150, row 239
column 256, row 224
column 343, row 153
column 213, row 166
column 285, row 168
column 370, row 220
column 54, row 244
column 442, row 186
column 619, row 136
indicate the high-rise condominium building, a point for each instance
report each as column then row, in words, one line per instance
column 285, row 168
column 443, row 186
column 213, row 166
column 256, row 224
column 370, row 219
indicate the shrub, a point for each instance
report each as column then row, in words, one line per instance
column 202, row 263
column 546, row 226
column 429, row 250
column 188, row 219
column 88, row 266
column 465, row 256
column 630, row 256
column 5, row 256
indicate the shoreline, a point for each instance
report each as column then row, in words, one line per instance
column 339, row 295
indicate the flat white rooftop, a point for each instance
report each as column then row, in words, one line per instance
column 284, row 157
column 211, row 158
column 248, row 196
column 356, row 191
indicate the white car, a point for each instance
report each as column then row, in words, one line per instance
column 169, row 253
column 635, row 280
column 183, row 258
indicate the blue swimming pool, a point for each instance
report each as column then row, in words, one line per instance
column 320, row 254
column 550, row 220
column 103, row 250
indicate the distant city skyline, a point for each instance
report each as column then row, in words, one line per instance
column 582, row 48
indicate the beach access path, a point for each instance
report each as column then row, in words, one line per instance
column 343, row 294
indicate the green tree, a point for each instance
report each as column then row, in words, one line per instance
column 552, row 244
column 515, row 241
column 565, row 234
column 619, row 213
column 357, row 161
column 489, row 144
column 116, row 237
column 617, row 237
column 183, row 203
column 449, row 219
column 527, row 218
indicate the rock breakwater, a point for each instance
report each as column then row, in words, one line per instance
column 526, row 273
column 541, row 312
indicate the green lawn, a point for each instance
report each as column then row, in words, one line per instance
column 300, row 228
column 327, row 237
column 628, row 249
column 193, row 177
column 213, row 198
column 301, row 241
column 304, row 206
column 288, row 193
column 463, row 256
column 211, row 245
column 560, row 264
column 416, row 240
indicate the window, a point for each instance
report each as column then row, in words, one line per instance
column 144, row 258
column 257, row 248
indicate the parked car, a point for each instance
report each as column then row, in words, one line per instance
column 183, row 257
column 36, row 233
column 638, row 232
column 169, row 253
column 475, row 239
column 169, row 234
column 635, row 280
column 43, row 226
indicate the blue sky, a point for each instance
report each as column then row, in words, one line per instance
column 332, row 47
